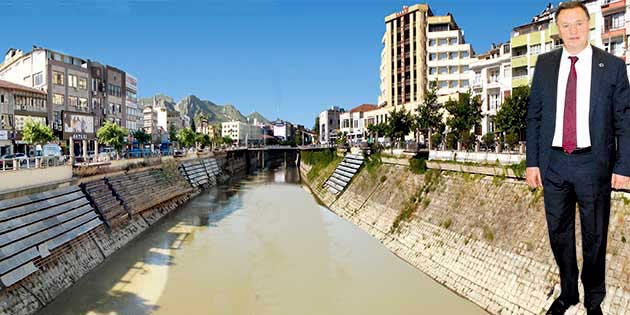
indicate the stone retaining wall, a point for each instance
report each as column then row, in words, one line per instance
column 68, row 263
column 483, row 237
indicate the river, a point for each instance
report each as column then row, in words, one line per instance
column 260, row 246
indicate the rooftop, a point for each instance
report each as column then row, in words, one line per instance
column 13, row 86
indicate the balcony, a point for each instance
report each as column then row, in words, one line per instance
column 522, row 80
column 609, row 6
column 519, row 41
column 520, row 61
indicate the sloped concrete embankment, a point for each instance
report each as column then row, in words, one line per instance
column 484, row 237
column 49, row 240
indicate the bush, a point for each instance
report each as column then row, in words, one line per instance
column 488, row 140
column 451, row 141
column 511, row 139
column 468, row 140
column 418, row 165
column 436, row 139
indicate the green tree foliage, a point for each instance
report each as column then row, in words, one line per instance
column 204, row 140
column 227, row 140
column 488, row 139
column 172, row 133
column 428, row 118
column 398, row 125
column 316, row 126
column 193, row 127
column 112, row 135
column 510, row 118
column 142, row 136
column 186, row 137
column 465, row 113
column 36, row 132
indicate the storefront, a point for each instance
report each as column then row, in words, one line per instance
column 78, row 130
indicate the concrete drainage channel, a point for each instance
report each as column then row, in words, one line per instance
column 344, row 173
column 49, row 240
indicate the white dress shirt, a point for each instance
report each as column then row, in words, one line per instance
column 582, row 96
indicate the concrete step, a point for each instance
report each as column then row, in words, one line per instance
column 344, row 173
column 351, row 165
column 333, row 190
column 330, row 183
column 346, row 169
column 341, row 182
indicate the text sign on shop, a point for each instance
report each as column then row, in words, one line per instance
column 4, row 135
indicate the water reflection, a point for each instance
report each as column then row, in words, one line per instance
column 263, row 246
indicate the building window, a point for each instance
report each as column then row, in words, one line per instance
column 464, row 54
column 432, row 56
column 83, row 103
column 442, row 70
column 432, row 70
column 442, row 56
column 534, row 49
column 57, row 78
column 1, row 98
column 57, row 99
column 464, row 69
column 96, row 103
column 452, row 84
column 83, row 83
column 442, row 42
column 452, row 70
column 431, row 42
column 506, row 49
column 73, row 101
column 72, row 81
column 452, row 41
column 494, row 101
column 38, row 79
column 443, row 84
column 463, row 83
column 452, row 55
column 507, row 71
column 57, row 57
column 67, row 60
column 614, row 21
column 615, row 48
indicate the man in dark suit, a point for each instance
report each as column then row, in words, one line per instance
column 578, row 148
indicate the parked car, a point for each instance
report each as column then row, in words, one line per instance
column 178, row 153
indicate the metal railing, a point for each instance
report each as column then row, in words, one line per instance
column 16, row 164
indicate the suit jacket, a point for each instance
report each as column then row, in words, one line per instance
column 609, row 113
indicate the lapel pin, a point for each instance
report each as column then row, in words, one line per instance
column 601, row 65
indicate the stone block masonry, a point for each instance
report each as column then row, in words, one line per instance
column 484, row 237
column 69, row 262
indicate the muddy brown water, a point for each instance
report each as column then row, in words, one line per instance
column 261, row 246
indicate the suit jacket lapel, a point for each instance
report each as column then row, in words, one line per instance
column 555, row 62
column 597, row 74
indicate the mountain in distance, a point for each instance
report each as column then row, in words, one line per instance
column 161, row 100
column 260, row 118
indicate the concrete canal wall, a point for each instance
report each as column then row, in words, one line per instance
column 482, row 236
column 51, row 237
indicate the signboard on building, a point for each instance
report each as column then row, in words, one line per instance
column 4, row 135
column 78, row 125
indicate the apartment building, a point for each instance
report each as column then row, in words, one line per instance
column 491, row 79
column 448, row 57
column 541, row 35
column 283, row 130
column 616, row 27
column 150, row 123
column 17, row 104
column 353, row 122
column 131, row 103
column 241, row 133
column 329, row 123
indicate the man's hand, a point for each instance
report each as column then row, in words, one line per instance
column 620, row 181
column 533, row 177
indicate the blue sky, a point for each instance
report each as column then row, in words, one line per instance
column 287, row 59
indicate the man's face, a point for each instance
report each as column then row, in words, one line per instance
column 573, row 27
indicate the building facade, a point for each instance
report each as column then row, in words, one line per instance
column 241, row 133
column 283, row 130
column 354, row 123
column 329, row 124
column 133, row 121
column 491, row 79
column 448, row 57
column 19, row 103
column 541, row 36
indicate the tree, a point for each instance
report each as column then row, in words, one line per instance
column 193, row 127
column 204, row 140
column 464, row 113
column 398, row 125
column 112, row 135
column 186, row 137
column 34, row 132
column 227, row 140
column 172, row 133
column 510, row 118
column 316, row 126
column 488, row 140
column 142, row 136
column 428, row 117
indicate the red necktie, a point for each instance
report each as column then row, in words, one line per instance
column 569, row 134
